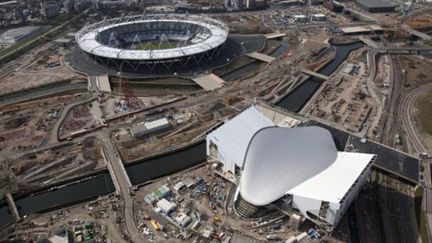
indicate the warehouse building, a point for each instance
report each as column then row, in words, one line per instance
column 376, row 6
column 144, row 129
column 295, row 167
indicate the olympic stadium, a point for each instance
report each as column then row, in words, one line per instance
column 154, row 43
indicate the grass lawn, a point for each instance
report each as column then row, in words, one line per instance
column 424, row 114
column 155, row 45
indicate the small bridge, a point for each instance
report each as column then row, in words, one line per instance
column 261, row 57
column 312, row 73
column 275, row 35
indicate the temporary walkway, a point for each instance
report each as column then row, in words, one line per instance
column 209, row 82
column 261, row 57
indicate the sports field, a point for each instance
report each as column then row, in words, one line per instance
column 156, row 45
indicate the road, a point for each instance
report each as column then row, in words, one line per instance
column 377, row 101
column 53, row 136
column 123, row 184
column 412, row 133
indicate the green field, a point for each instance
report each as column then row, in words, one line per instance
column 423, row 115
column 155, row 45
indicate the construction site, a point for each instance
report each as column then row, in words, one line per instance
column 97, row 152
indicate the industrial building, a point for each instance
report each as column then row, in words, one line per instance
column 166, row 206
column 318, row 17
column 144, row 129
column 376, row 6
column 12, row 36
column 296, row 167
column 300, row 18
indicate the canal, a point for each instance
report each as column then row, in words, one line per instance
column 296, row 99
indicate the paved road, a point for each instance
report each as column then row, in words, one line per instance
column 53, row 137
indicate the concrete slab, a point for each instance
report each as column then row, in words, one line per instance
column 209, row 82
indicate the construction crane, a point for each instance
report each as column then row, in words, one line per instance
column 129, row 96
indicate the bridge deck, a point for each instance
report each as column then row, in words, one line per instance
column 312, row 73
column 209, row 82
column 275, row 35
column 261, row 57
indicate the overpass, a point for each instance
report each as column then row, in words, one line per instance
column 417, row 33
column 312, row 73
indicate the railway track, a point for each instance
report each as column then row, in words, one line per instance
column 412, row 134
column 395, row 86
column 397, row 210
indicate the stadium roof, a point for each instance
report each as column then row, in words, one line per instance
column 86, row 38
column 307, row 160
column 14, row 35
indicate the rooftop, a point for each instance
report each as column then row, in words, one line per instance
column 307, row 157
column 375, row 3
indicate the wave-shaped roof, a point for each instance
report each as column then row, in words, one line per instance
column 280, row 159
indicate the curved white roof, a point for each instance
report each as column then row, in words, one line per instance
column 86, row 38
column 279, row 159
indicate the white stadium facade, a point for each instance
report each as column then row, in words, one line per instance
column 295, row 166
column 144, row 43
